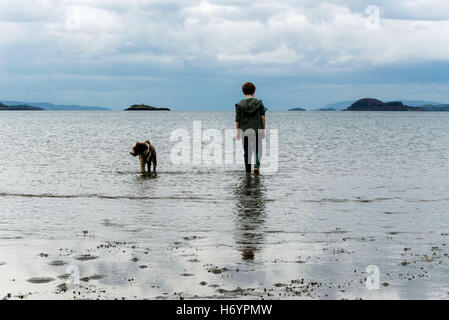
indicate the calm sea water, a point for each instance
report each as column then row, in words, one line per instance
column 352, row 190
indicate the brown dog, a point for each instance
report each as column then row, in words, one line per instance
column 147, row 155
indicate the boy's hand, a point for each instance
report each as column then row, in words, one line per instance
column 237, row 135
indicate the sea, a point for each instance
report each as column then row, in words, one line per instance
column 354, row 205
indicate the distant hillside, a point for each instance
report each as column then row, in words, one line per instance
column 419, row 103
column 18, row 108
column 296, row 109
column 412, row 103
column 440, row 107
column 144, row 107
column 51, row 106
column 369, row 104
column 339, row 105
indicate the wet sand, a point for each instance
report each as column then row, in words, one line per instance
column 120, row 270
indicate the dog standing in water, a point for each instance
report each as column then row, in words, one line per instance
column 147, row 155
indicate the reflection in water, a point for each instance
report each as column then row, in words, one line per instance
column 250, row 210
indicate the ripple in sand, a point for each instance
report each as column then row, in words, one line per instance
column 108, row 223
column 86, row 257
column 57, row 263
column 92, row 277
column 216, row 270
column 2, row 263
column 40, row 280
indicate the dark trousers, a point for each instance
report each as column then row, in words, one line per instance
column 251, row 147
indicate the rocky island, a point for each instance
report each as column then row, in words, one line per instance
column 143, row 107
column 439, row 107
column 296, row 109
column 18, row 108
column 51, row 106
column 368, row 104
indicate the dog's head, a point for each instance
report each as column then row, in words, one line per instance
column 138, row 148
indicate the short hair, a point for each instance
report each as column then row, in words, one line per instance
column 248, row 89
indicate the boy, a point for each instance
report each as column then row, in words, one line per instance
column 250, row 119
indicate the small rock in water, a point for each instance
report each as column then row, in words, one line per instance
column 279, row 285
column 57, row 263
column 40, row 280
column 85, row 257
column 93, row 277
column 62, row 288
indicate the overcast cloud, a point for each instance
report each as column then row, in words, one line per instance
column 196, row 54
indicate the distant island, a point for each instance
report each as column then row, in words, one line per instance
column 369, row 104
column 440, row 107
column 18, row 108
column 327, row 109
column 54, row 107
column 339, row 106
column 296, row 109
column 143, row 107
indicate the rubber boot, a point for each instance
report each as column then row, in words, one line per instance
column 247, row 165
column 257, row 165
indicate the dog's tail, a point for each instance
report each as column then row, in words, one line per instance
column 148, row 142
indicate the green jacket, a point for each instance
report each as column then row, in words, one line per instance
column 248, row 113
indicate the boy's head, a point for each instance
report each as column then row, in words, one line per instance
column 249, row 89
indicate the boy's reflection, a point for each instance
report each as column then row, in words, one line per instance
column 250, row 215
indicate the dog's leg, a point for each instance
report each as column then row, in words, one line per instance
column 149, row 166
column 142, row 166
column 154, row 164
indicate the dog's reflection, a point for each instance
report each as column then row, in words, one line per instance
column 250, row 215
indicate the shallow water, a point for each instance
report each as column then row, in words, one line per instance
column 352, row 190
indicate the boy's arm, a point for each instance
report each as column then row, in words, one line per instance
column 263, row 127
column 262, row 112
column 237, row 130
column 237, row 122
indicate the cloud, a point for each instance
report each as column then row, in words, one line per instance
column 282, row 55
column 324, row 34
column 285, row 38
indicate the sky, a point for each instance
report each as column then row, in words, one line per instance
column 195, row 55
